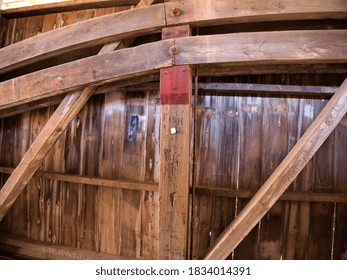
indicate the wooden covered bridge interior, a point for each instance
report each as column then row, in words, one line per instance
column 173, row 129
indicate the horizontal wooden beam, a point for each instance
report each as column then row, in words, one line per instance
column 27, row 248
column 55, row 100
column 97, row 70
column 261, row 48
column 245, row 88
column 92, row 32
column 282, row 177
column 94, row 181
column 151, row 19
column 140, row 186
column 39, row 7
column 223, row 70
column 286, row 196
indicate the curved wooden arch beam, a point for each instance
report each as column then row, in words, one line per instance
column 263, row 48
column 151, row 19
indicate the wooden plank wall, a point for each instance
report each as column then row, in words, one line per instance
column 241, row 140
column 115, row 136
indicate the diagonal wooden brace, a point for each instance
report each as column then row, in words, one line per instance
column 282, row 177
column 56, row 125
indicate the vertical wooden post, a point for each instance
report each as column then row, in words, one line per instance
column 175, row 92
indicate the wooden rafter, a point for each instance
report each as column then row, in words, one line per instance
column 263, row 48
column 135, row 22
column 282, row 177
column 56, row 125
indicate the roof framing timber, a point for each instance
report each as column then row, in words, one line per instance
column 261, row 48
column 151, row 19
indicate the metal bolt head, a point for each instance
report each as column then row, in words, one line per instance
column 174, row 50
column 175, row 12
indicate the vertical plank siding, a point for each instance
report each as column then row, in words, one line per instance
column 267, row 128
column 241, row 140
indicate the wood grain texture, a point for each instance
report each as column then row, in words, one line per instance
column 151, row 19
column 19, row 247
column 20, row 9
column 248, row 48
column 283, row 176
column 175, row 133
column 64, row 39
column 40, row 147
column 43, row 83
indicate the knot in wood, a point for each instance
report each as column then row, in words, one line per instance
column 175, row 12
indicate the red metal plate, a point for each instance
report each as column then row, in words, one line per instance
column 175, row 85
column 175, row 32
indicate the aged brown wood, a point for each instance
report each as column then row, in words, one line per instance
column 38, row 48
column 152, row 19
column 262, row 48
column 130, row 62
column 286, row 196
column 19, row 247
column 243, row 88
column 218, row 70
column 175, row 132
column 66, row 111
column 283, row 176
column 11, row 10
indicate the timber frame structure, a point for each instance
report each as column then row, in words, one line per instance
column 171, row 46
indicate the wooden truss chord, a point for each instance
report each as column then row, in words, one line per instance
column 152, row 19
column 261, row 48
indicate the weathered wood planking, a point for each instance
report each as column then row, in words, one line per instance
column 23, row 247
column 217, row 149
column 133, row 168
column 39, row 48
column 91, row 144
column 321, row 214
column 283, row 176
column 11, row 10
column 150, row 201
column 151, row 19
column 340, row 183
column 291, row 208
column 40, row 147
column 250, row 175
column 248, row 48
column 275, row 146
column 109, row 204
